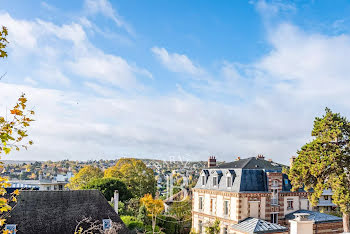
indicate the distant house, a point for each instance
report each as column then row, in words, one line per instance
column 58, row 212
column 19, row 186
column 58, row 183
column 42, row 184
column 325, row 202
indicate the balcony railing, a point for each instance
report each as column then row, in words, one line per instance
column 325, row 203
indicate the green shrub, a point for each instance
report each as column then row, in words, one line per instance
column 168, row 224
column 156, row 230
column 132, row 222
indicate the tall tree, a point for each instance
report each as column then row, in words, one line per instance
column 154, row 208
column 107, row 186
column 13, row 132
column 135, row 174
column 84, row 176
column 324, row 162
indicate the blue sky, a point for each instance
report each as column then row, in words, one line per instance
column 175, row 79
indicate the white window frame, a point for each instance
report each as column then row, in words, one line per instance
column 226, row 208
column 273, row 218
column 200, row 203
column 229, row 181
column 215, row 179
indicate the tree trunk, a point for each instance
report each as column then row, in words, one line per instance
column 346, row 222
column 153, row 224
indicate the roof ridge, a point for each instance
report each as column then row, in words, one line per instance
column 248, row 161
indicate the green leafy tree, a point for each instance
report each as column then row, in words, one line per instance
column 324, row 162
column 181, row 210
column 213, row 228
column 135, row 174
column 84, row 176
column 107, row 186
column 142, row 216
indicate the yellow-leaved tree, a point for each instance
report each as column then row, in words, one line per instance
column 154, row 207
column 135, row 174
column 13, row 132
column 84, row 176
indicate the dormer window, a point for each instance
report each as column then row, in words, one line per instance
column 215, row 181
column 229, row 181
column 203, row 180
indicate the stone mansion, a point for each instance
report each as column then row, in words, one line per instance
column 252, row 193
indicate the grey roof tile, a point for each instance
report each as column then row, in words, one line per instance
column 252, row 163
column 318, row 217
column 254, row 225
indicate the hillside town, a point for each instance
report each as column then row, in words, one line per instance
column 243, row 195
column 174, row 117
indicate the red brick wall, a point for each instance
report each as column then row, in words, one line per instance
column 324, row 228
column 328, row 228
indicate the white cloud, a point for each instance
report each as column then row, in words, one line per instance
column 60, row 53
column 105, row 8
column 310, row 62
column 176, row 62
column 81, row 126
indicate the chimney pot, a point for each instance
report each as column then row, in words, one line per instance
column 211, row 161
column 260, row 156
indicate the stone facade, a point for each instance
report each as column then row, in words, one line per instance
column 242, row 206
column 231, row 194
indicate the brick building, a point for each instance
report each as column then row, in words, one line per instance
column 246, row 188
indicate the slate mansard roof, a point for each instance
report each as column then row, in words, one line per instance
column 248, row 175
column 60, row 211
column 254, row 225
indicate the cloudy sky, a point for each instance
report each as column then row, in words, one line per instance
column 174, row 79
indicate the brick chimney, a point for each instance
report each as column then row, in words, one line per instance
column 260, row 156
column 211, row 161
column 238, row 158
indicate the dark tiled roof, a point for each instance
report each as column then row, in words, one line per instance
column 253, row 180
column 254, row 225
column 60, row 211
column 252, row 163
column 318, row 217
